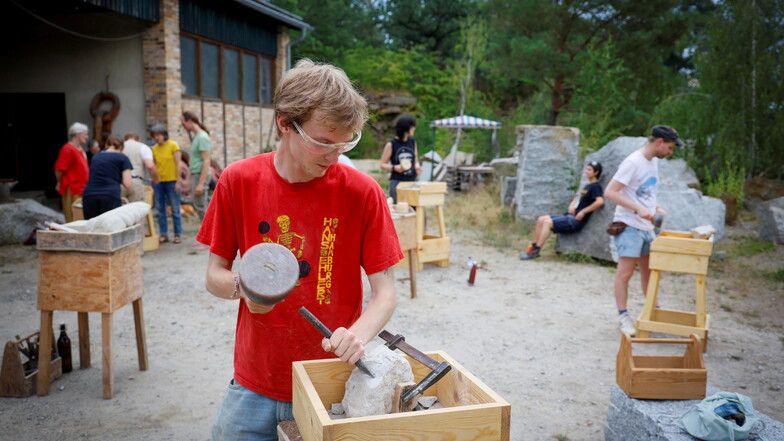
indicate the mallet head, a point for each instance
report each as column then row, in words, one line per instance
column 268, row 273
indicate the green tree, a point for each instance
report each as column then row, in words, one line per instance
column 433, row 25
column 539, row 43
column 734, row 104
column 339, row 25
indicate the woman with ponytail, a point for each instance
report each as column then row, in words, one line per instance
column 199, row 161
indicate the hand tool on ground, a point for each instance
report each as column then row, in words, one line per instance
column 268, row 273
column 438, row 370
column 327, row 333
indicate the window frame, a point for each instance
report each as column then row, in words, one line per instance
column 221, row 46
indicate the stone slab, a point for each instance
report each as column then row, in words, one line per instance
column 629, row 419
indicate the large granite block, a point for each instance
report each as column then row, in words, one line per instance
column 629, row 419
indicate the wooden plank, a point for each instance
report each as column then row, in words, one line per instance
column 141, row 338
column 51, row 240
column 678, row 263
column 44, row 353
column 412, row 272
column 468, row 423
column 406, row 228
column 700, row 302
column 652, row 362
column 106, row 355
column 84, row 340
column 682, row 245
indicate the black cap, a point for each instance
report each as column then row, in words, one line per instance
column 666, row 132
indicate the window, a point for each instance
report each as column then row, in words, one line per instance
column 210, row 75
column 189, row 59
column 250, row 83
column 214, row 70
column 231, row 74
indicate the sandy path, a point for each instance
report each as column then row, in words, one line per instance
column 542, row 334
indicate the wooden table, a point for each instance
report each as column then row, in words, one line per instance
column 89, row 272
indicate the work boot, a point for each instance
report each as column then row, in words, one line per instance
column 532, row 252
column 626, row 324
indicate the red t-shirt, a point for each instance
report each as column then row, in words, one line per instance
column 73, row 163
column 334, row 225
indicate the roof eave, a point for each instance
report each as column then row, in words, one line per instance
column 277, row 13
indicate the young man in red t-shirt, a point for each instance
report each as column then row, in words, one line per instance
column 336, row 222
column 71, row 169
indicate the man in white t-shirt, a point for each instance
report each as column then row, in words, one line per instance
column 633, row 190
column 140, row 155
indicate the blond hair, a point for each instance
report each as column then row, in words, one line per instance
column 313, row 86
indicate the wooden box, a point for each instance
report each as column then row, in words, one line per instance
column 662, row 377
column 678, row 252
column 472, row 410
column 405, row 226
column 89, row 272
column 14, row 382
column 421, row 194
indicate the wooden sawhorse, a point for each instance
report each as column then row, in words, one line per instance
column 678, row 252
column 89, row 272
column 420, row 195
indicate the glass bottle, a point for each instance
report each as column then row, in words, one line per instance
column 64, row 349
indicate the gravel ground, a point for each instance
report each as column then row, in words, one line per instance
column 541, row 333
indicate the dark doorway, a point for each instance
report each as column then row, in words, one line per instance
column 33, row 127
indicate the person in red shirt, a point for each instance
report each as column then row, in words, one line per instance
column 336, row 222
column 71, row 169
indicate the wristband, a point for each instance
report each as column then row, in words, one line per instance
column 236, row 293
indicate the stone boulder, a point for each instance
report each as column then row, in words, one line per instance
column 366, row 396
column 630, row 419
column 508, row 189
column 19, row 218
column 548, row 167
column 771, row 217
column 686, row 206
column 758, row 190
column 505, row 166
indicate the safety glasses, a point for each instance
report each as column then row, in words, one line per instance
column 322, row 148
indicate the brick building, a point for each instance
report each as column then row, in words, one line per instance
column 219, row 59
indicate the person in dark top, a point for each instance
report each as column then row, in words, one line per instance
column 400, row 155
column 574, row 219
column 108, row 170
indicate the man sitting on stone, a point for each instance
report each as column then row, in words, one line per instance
column 575, row 218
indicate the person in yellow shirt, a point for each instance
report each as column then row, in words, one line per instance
column 168, row 157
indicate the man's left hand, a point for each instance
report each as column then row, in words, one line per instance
column 345, row 344
column 580, row 215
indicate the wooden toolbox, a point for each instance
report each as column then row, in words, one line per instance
column 662, row 377
column 472, row 410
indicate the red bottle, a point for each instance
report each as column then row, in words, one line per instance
column 471, row 271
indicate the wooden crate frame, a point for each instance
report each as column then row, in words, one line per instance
column 677, row 251
column 473, row 411
column 662, row 377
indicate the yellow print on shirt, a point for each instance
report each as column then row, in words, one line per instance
column 326, row 256
column 289, row 239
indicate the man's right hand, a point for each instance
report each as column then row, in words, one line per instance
column 645, row 214
column 253, row 307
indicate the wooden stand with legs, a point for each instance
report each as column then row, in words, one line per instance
column 420, row 195
column 677, row 252
column 89, row 272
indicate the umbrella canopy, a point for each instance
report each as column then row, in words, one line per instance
column 465, row 122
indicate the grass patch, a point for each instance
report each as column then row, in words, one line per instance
column 750, row 245
column 560, row 437
column 479, row 209
column 727, row 308
column 750, row 314
column 736, row 357
column 776, row 276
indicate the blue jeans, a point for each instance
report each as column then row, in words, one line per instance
column 633, row 242
column 164, row 193
column 246, row 415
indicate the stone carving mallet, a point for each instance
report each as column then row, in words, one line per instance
column 268, row 273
